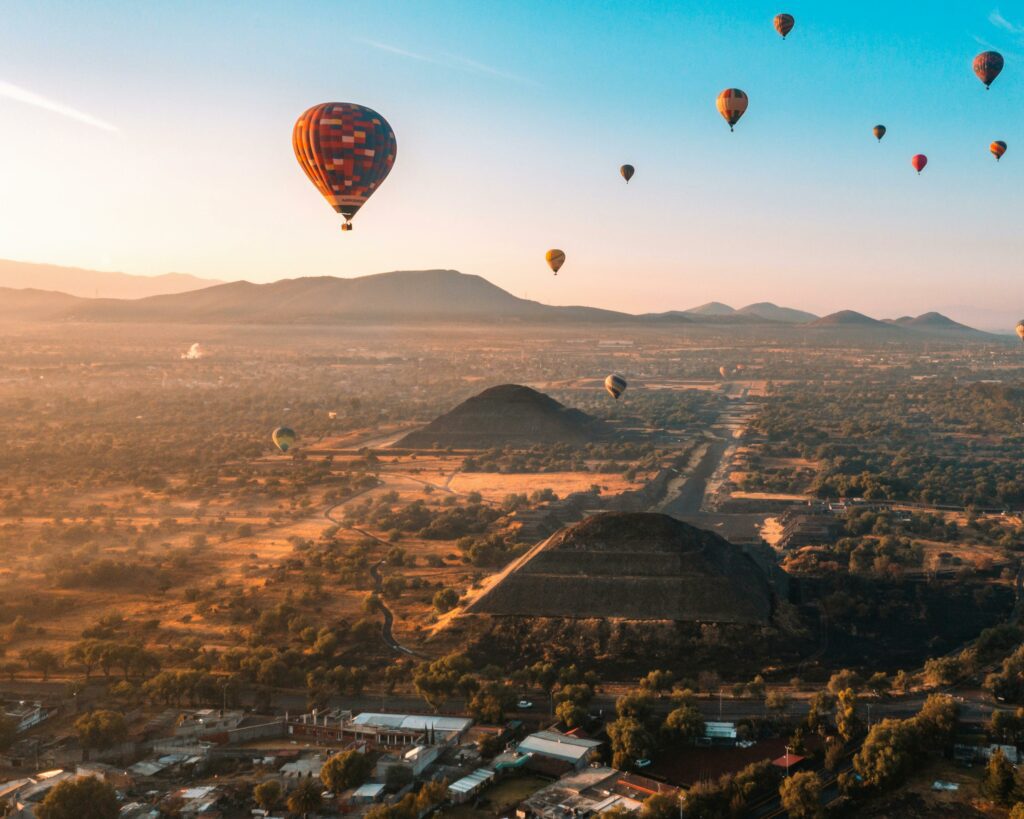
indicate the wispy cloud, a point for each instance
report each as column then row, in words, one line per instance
column 447, row 60
column 996, row 18
column 18, row 94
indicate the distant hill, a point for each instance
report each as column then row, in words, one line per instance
column 934, row 321
column 405, row 295
column 35, row 305
column 849, row 318
column 712, row 308
column 772, row 312
column 507, row 415
column 633, row 566
column 76, row 281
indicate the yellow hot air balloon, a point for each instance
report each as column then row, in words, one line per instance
column 284, row 438
column 1020, row 329
column 555, row 259
column 615, row 385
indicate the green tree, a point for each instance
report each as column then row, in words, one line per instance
column 998, row 783
column 630, row 741
column 348, row 770
column 305, row 798
column 684, row 722
column 1017, row 811
column 100, row 730
column 267, row 794
column 801, row 795
column 571, row 714
column 660, row 806
column 848, row 724
column 85, row 798
column 445, row 600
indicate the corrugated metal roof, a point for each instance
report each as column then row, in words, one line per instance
column 414, row 722
column 369, row 790
column 472, row 781
column 557, row 746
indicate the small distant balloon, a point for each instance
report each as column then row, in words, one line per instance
column 987, row 66
column 879, row 132
column 732, row 104
column 784, row 24
column 615, row 385
column 998, row 148
column 723, row 371
column 1020, row 329
column 919, row 161
column 284, row 438
column 555, row 259
column 627, row 172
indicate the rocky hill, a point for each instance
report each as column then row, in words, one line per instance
column 508, row 415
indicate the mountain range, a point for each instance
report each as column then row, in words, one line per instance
column 404, row 295
column 77, row 281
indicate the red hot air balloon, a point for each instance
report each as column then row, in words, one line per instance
column 784, row 24
column 987, row 66
column 919, row 161
column 732, row 103
column 998, row 148
column 346, row 151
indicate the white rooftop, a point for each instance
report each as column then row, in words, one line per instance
column 414, row 722
column 472, row 781
column 559, row 746
column 371, row 790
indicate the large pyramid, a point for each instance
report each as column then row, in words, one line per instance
column 508, row 415
column 633, row 566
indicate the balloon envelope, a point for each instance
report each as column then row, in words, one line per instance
column 555, row 259
column 1020, row 329
column 998, row 148
column 919, row 161
column 627, row 172
column 616, row 385
column 879, row 132
column 284, row 438
column 987, row 66
column 732, row 104
column 784, row 24
column 347, row 151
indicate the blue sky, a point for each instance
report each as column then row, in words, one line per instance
column 150, row 137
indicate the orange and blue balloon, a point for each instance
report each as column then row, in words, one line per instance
column 732, row 104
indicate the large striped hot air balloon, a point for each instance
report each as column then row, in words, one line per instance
column 346, row 150
column 627, row 172
column 555, row 259
column 919, row 161
column 615, row 385
column 784, row 24
column 987, row 66
column 283, row 438
column 732, row 103
column 998, row 148
column 879, row 132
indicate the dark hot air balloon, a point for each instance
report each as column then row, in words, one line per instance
column 555, row 259
column 998, row 148
column 732, row 104
column 919, row 161
column 627, row 172
column 879, row 132
column 784, row 24
column 346, row 151
column 987, row 66
column 283, row 438
column 616, row 385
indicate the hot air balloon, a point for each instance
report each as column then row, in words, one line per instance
column 998, row 148
column 347, row 151
column 627, row 172
column 732, row 103
column 987, row 66
column 616, row 385
column 723, row 371
column 784, row 24
column 284, row 438
column 879, row 132
column 919, row 161
column 555, row 259
column 1020, row 329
